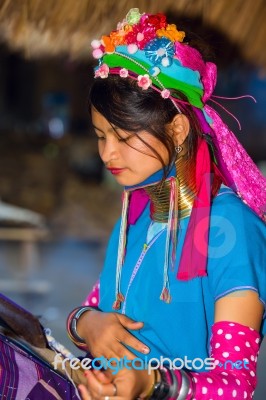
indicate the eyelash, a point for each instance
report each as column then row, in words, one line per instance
column 123, row 140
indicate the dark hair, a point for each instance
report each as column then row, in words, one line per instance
column 128, row 107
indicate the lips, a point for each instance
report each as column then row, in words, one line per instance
column 116, row 171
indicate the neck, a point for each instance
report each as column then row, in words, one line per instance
column 159, row 193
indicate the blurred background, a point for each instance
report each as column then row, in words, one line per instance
column 57, row 204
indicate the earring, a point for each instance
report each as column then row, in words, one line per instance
column 178, row 149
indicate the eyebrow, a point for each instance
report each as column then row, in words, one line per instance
column 111, row 129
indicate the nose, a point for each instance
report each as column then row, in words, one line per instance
column 108, row 150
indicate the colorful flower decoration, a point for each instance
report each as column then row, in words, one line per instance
column 118, row 37
column 121, row 25
column 108, row 44
column 171, row 33
column 157, row 20
column 160, row 51
column 146, row 32
column 144, row 81
column 138, row 31
column 165, row 93
column 133, row 16
column 141, row 34
column 123, row 73
column 102, row 71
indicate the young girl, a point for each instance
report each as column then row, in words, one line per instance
column 184, row 276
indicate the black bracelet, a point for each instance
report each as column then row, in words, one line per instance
column 74, row 321
column 185, row 386
column 161, row 389
column 173, row 389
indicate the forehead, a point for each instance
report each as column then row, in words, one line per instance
column 99, row 121
column 95, row 115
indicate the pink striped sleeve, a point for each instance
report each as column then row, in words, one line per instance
column 93, row 297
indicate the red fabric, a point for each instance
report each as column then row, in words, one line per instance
column 193, row 260
column 138, row 201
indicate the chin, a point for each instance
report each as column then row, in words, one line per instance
column 127, row 182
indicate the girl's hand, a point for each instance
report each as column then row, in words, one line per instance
column 127, row 384
column 106, row 334
column 101, row 383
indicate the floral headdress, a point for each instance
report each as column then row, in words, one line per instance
column 146, row 48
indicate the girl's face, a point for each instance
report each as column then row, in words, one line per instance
column 124, row 154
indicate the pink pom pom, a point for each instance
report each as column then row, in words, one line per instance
column 95, row 44
column 165, row 62
column 132, row 48
column 97, row 53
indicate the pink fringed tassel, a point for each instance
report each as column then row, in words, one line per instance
column 165, row 295
column 249, row 183
column 117, row 303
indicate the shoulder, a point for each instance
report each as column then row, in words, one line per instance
column 236, row 252
column 229, row 208
column 236, row 232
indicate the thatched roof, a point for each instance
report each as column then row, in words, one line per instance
column 55, row 27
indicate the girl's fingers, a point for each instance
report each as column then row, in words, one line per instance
column 101, row 376
column 84, row 392
column 116, row 398
column 116, row 353
column 97, row 388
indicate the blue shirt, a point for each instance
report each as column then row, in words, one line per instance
column 236, row 262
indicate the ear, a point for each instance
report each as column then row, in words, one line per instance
column 179, row 128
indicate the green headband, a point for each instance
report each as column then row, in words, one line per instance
column 139, row 67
